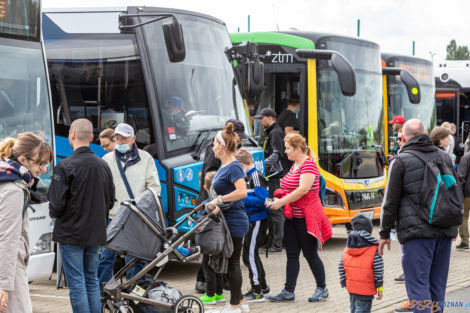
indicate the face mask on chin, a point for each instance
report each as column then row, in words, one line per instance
column 123, row 148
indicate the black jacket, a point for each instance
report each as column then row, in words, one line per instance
column 80, row 196
column 274, row 150
column 406, row 173
column 211, row 163
column 463, row 174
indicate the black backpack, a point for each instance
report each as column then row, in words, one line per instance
column 441, row 198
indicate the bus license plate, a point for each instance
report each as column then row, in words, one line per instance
column 369, row 214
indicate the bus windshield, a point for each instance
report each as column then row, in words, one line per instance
column 399, row 103
column 350, row 129
column 198, row 94
column 20, row 19
column 24, row 100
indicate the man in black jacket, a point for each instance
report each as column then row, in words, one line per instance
column 464, row 182
column 80, row 196
column 426, row 248
column 275, row 163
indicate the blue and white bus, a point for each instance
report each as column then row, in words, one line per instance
column 116, row 65
column 25, row 107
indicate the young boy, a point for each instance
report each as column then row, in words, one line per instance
column 360, row 267
column 257, row 212
column 214, row 282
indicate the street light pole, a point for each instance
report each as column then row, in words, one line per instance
column 432, row 56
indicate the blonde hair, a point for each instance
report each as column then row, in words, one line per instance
column 28, row 145
column 243, row 156
column 108, row 133
column 298, row 141
column 230, row 137
column 208, row 179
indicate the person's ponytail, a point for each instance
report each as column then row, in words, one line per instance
column 6, row 148
column 309, row 152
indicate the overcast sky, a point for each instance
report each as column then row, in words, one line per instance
column 393, row 24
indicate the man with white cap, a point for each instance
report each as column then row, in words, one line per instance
column 133, row 171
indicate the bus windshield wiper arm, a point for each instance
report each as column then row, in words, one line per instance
column 197, row 154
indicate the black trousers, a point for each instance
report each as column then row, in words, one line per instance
column 275, row 218
column 296, row 238
column 234, row 272
column 253, row 240
column 214, row 282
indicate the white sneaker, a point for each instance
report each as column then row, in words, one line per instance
column 244, row 307
column 228, row 309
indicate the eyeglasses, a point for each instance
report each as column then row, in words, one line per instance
column 105, row 146
column 399, row 139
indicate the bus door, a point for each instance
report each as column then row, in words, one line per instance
column 447, row 102
column 282, row 82
column 464, row 114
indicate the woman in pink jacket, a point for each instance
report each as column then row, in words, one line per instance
column 306, row 226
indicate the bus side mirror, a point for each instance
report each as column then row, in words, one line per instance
column 255, row 77
column 411, row 84
column 174, row 40
column 344, row 69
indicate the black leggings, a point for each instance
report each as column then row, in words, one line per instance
column 296, row 238
column 234, row 272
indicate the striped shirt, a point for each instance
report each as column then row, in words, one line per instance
column 290, row 182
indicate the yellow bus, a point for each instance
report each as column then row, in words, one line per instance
column 341, row 112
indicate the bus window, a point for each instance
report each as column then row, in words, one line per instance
column 102, row 83
column 20, row 19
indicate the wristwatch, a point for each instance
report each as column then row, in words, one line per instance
column 219, row 198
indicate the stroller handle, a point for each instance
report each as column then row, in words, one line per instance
column 174, row 233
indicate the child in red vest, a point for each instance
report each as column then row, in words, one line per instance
column 361, row 268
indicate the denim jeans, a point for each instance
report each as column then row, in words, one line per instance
column 81, row 267
column 359, row 306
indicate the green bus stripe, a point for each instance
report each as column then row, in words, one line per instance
column 272, row 38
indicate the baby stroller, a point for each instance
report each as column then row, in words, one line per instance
column 139, row 231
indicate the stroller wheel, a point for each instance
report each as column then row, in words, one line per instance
column 189, row 304
column 107, row 307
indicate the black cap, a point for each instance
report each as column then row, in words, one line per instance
column 266, row 112
column 239, row 128
column 361, row 222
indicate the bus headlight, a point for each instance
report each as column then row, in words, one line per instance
column 333, row 198
column 43, row 245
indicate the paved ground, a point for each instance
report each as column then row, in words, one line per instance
column 46, row 299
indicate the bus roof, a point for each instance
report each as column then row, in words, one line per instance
column 293, row 39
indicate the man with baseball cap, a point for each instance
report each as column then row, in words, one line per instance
column 275, row 163
column 397, row 123
column 133, row 171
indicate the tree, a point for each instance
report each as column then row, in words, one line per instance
column 455, row 52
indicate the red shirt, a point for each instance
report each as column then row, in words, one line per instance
column 290, row 182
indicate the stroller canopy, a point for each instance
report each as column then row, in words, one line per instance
column 128, row 234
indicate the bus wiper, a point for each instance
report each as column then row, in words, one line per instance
column 197, row 154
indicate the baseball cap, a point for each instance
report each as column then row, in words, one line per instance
column 397, row 119
column 124, row 130
column 239, row 128
column 266, row 112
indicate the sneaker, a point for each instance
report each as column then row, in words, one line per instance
column 208, row 300
column 270, row 250
column 244, row 307
column 228, row 309
column 320, row 295
column 252, row 296
column 282, row 296
column 400, row 279
column 219, row 298
column 405, row 307
column 200, row 287
column 462, row 246
column 266, row 292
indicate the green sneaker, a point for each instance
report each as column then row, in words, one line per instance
column 208, row 300
column 219, row 298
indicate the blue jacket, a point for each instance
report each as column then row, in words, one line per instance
column 257, row 189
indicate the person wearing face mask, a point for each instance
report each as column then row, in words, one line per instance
column 21, row 160
column 133, row 171
column 288, row 118
column 80, row 196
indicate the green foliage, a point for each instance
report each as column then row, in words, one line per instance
column 455, row 52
